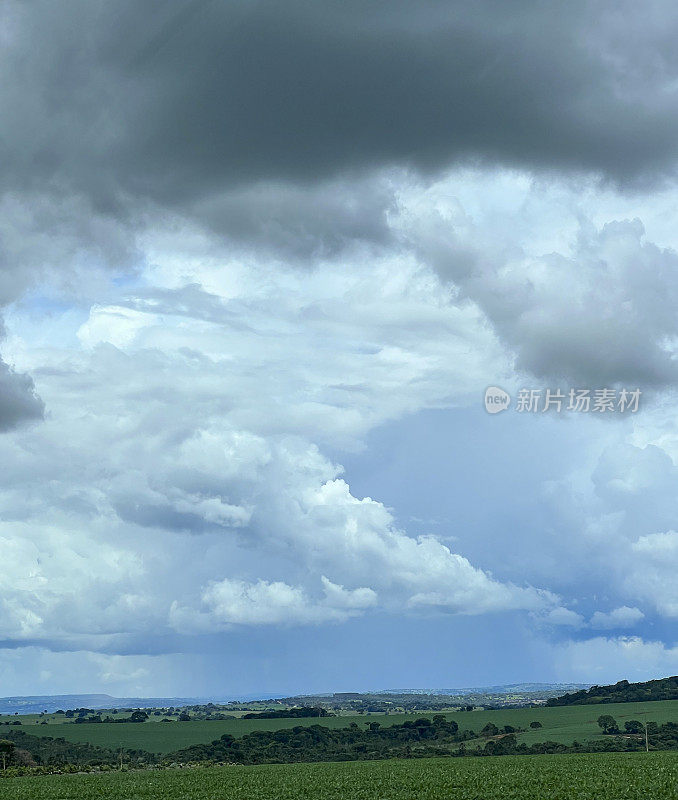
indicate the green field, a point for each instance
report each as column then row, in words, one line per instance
column 609, row 776
column 561, row 724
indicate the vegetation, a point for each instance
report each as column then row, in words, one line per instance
column 21, row 749
column 317, row 743
column 290, row 713
column 135, row 716
column 608, row 724
column 621, row 692
column 421, row 737
column 632, row 776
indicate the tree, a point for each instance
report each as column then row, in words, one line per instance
column 184, row 717
column 138, row 716
column 6, row 751
column 608, row 723
column 535, row 724
column 490, row 729
column 633, row 726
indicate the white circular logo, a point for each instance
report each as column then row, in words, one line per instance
column 496, row 400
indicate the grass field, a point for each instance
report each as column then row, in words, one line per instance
column 609, row 776
column 560, row 724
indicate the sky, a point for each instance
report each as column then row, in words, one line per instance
column 259, row 264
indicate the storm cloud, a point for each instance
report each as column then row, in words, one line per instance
column 177, row 101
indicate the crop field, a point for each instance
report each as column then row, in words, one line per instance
column 561, row 724
column 609, row 776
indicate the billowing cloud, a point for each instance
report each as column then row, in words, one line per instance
column 185, row 472
column 586, row 303
column 192, row 410
column 233, row 602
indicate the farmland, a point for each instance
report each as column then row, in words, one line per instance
column 620, row 776
column 561, row 724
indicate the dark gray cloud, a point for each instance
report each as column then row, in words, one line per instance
column 177, row 101
column 18, row 401
column 296, row 223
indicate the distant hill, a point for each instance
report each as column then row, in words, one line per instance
column 517, row 694
column 521, row 693
column 504, row 688
column 621, row 692
column 511, row 688
column 34, row 704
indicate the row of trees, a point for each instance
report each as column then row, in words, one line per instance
column 610, row 726
column 20, row 748
column 135, row 716
column 621, row 692
column 287, row 713
column 411, row 739
column 435, row 736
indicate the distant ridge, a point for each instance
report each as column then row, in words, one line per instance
column 504, row 688
column 34, row 704
column 621, row 692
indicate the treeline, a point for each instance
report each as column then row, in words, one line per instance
column 23, row 748
column 293, row 713
column 317, row 743
column 420, row 738
column 621, row 692
column 660, row 737
column 135, row 716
